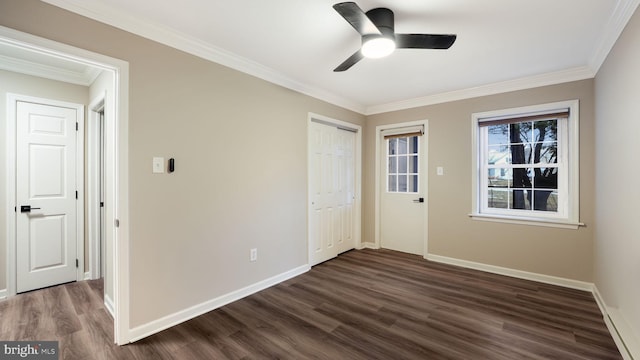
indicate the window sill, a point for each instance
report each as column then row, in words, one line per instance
column 528, row 221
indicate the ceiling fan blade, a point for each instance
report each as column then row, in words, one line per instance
column 351, row 12
column 352, row 60
column 424, row 41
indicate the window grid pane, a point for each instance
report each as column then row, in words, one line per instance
column 521, row 161
column 402, row 164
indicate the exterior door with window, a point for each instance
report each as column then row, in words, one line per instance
column 402, row 207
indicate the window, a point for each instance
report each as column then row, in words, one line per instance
column 526, row 164
column 402, row 163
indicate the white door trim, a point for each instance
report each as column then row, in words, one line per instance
column 357, row 216
column 424, row 173
column 93, row 184
column 116, row 151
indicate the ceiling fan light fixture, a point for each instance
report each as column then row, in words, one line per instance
column 377, row 47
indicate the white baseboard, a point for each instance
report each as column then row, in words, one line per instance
column 87, row 275
column 621, row 332
column 176, row 318
column 3, row 294
column 369, row 245
column 547, row 279
column 109, row 305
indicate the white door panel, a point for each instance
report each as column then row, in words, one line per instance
column 46, row 173
column 332, row 190
column 402, row 227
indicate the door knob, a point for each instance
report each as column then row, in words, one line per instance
column 418, row 200
column 27, row 208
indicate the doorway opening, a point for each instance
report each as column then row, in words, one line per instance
column 114, row 184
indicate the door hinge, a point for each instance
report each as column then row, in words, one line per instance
column 101, row 204
column 77, row 126
column 77, row 263
column 76, row 194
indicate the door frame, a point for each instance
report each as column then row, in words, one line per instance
column 424, row 174
column 357, row 202
column 116, row 167
column 93, row 184
column 11, row 128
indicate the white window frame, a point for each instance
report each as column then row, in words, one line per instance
column 567, row 215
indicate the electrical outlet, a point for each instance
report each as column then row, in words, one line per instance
column 440, row 170
column 254, row 255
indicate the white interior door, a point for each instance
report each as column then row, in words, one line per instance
column 402, row 193
column 45, row 195
column 332, row 192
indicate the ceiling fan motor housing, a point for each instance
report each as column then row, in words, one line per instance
column 382, row 18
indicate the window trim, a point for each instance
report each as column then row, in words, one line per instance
column 568, row 220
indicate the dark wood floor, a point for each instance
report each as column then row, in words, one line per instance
column 369, row 304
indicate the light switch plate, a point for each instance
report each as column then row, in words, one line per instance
column 440, row 171
column 158, row 165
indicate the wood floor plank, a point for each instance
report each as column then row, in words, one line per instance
column 366, row 304
column 85, row 298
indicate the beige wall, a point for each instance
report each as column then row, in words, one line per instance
column 550, row 251
column 32, row 86
column 617, row 240
column 241, row 166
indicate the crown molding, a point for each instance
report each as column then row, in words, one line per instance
column 617, row 22
column 22, row 66
column 180, row 41
column 558, row 77
column 98, row 11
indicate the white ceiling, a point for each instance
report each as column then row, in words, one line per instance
column 502, row 45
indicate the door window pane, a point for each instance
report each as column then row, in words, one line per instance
column 393, row 146
column 402, row 145
column 392, row 183
column 402, row 183
column 413, row 183
column 413, row 145
column 393, row 164
column 402, row 165
column 403, row 160
column 413, row 164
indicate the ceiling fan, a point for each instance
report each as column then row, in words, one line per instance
column 376, row 27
